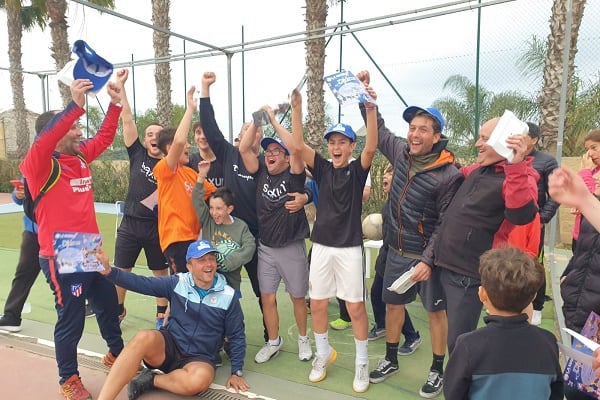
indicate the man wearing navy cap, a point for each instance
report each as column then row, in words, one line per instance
column 424, row 181
column 281, row 248
column 204, row 310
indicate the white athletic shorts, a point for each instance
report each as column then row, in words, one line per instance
column 337, row 271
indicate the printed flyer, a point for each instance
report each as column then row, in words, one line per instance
column 76, row 252
column 347, row 89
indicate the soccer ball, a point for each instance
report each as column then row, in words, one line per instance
column 372, row 227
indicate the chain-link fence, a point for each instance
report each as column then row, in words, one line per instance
column 417, row 51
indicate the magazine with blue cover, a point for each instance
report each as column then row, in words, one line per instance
column 76, row 252
column 347, row 89
column 577, row 374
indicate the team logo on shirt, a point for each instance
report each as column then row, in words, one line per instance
column 77, row 289
column 213, row 300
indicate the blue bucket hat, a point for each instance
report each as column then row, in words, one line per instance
column 199, row 248
column 410, row 112
column 265, row 142
column 91, row 66
column 344, row 129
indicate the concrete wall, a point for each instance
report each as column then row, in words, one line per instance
column 8, row 147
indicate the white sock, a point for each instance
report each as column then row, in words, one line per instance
column 322, row 344
column 275, row 342
column 362, row 351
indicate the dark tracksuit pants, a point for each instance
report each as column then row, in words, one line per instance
column 70, row 292
column 26, row 273
column 540, row 298
column 252, row 271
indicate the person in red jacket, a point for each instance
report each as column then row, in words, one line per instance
column 69, row 206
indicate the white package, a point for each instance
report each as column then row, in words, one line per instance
column 508, row 125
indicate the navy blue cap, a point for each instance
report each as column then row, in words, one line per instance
column 199, row 248
column 344, row 129
column 410, row 112
column 91, row 66
column 266, row 141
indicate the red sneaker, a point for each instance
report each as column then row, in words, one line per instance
column 73, row 389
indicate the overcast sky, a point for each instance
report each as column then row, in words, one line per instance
column 417, row 56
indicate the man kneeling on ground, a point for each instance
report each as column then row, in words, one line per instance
column 204, row 310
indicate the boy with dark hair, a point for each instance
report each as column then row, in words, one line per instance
column 229, row 234
column 178, row 225
column 508, row 358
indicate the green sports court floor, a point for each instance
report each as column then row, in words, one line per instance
column 284, row 377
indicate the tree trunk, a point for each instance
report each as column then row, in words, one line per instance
column 162, row 72
column 316, row 18
column 61, row 52
column 553, row 69
column 15, row 33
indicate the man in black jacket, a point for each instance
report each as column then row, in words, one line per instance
column 494, row 190
column 544, row 164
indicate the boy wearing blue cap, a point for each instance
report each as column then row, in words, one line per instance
column 337, row 264
column 204, row 309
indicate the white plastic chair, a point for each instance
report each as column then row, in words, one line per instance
column 120, row 209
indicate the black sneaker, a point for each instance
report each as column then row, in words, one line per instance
column 10, row 324
column 383, row 370
column 142, row 383
column 409, row 346
column 433, row 386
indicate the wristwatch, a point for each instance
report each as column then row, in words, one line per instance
column 238, row 373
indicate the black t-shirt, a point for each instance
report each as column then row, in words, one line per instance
column 338, row 223
column 235, row 176
column 215, row 172
column 278, row 227
column 142, row 183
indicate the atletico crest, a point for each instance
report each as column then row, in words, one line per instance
column 76, row 289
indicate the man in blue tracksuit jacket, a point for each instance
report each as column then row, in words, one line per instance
column 204, row 310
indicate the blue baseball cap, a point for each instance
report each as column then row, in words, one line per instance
column 199, row 248
column 91, row 66
column 344, row 129
column 266, row 141
column 410, row 112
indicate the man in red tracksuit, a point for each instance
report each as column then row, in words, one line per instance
column 69, row 206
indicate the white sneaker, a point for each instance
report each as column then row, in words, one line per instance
column 536, row 318
column 361, row 378
column 268, row 351
column 304, row 349
column 320, row 364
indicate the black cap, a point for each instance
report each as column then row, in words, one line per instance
column 534, row 130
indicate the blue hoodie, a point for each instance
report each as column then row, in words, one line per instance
column 198, row 324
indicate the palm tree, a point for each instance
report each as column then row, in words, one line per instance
column 582, row 106
column 19, row 18
column 162, row 72
column 553, row 67
column 61, row 51
column 316, row 19
column 459, row 111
